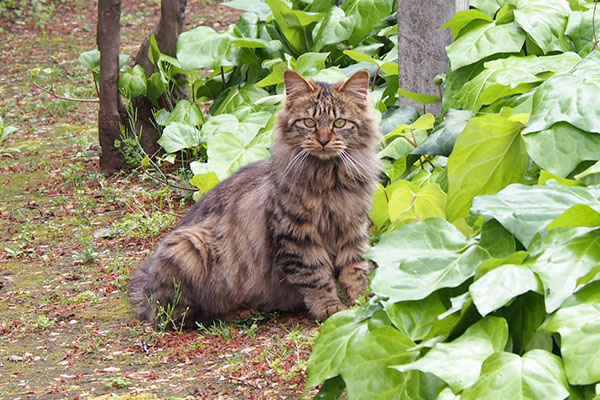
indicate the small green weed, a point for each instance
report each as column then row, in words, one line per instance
column 164, row 315
column 117, row 382
column 44, row 322
column 143, row 224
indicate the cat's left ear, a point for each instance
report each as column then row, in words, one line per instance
column 357, row 87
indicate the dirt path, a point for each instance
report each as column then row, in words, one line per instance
column 68, row 238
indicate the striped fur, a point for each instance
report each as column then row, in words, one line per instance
column 283, row 233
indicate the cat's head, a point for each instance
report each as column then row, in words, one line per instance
column 326, row 119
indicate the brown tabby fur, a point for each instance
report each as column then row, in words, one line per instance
column 279, row 233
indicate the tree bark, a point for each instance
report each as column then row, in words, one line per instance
column 108, row 40
column 421, row 45
column 170, row 26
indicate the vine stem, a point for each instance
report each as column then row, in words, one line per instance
column 306, row 40
column 58, row 96
column 594, row 26
column 166, row 182
column 375, row 78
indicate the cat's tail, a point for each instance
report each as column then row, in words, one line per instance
column 173, row 278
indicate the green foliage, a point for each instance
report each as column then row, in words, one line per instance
column 493, row 276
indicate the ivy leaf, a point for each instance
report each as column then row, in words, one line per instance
column 410, row 203
column 292, row 23
column 338, row 333
column 443, row 137
column 227, row 153
column 524, row 315
column 463, row 18
column 133, row 82
column 570, row 97
column 186, row 113
column 417, row 259
column 578, row 322
column 561, row 265
column 459, row 362
column 483, row 41
column 562, row 147
column 365, row 14
column 415, row 319
column 537, row 375
column 497, row 240
column 178, row 136
column 309, row 64
column 366, row 371
column 205, row 182
column 488, row 6
column 525, row 210
column 500, row 285
column 202, row 47
column 545, row 22
column 404, row 115
column 335, row 27
column 257, row 6
column 482, row 164
column 578, row 215
column 581, row 31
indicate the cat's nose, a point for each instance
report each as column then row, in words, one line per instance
column 324, row 140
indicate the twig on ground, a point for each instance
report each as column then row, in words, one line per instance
column 58, row 96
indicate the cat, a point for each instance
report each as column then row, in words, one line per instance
column 280, row 233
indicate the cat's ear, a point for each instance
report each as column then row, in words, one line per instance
column 356, row 87
column 296, row 85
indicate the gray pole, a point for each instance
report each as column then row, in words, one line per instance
column 421, row 43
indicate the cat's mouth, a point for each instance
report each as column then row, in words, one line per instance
column 324, row 151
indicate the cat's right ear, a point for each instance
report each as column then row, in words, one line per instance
column 296, row 85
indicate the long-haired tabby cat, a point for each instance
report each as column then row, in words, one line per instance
column 279, row 234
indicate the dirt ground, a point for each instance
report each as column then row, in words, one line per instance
column 69, row 237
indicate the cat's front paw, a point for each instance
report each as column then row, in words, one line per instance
column 329, row 311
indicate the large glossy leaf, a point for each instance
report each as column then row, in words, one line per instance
column 488, row 6
column 365, row 14
column 178, row 136
column 458, row 363
column 245, row 128
column 411, row 203
column 562, row 147
column 580, row 29
column 335, row 27
column 292, row 24
column 578, row 322
column 463, row 18
column 578, row 215
column 512, row 75
column 499, row 286
column 226, row 152
column 561, row 265
column 525, row 210
column 571, row 97
column 488, row 155
column 417, row 259
column 441, row 141
column 415, row 319
column 537, row 375
column 339, row 332
column 202, row 47
column 133, row 82
column 260, row 7
column 187, row 113
column 524, row 315
column 545, row 22
column 497, row 240
column 485, row 40
column 404, row 115
column 366, row 371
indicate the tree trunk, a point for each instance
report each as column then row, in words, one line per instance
column 170, row 26
column 421, row 45
column 108, row 40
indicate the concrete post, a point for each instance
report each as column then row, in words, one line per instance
column 421, row 43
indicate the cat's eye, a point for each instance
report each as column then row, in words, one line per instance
column 339, row 123
column 309, row 122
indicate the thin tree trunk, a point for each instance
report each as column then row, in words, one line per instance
column 108, row 40
column 171, row 24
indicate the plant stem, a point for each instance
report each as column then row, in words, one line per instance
column 594, row 26
column 58, row 96
column 375, row 79
column 306, row 40
column 223, row 78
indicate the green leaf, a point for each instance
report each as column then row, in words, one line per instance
column 562, row 147
column 331, row 389
column 484, row 163
column 202, row 47
column 591, row 176
column 379, row 207
column 497, row 240
column 524, row 315
column 441, row 141
column 133, row 82
column 90, row 60
column 560, row 266
column 537, row 375
column 578, row 322
column 227, row 153
column 338, row 334
column 366, row 371
column 186, row 113
column 499, row 286
column 512, row 75
column 578, row 215
column 240, row 102
column 365, row 14
column 415, row 319
column 178, row 136
column 570, row 97
column 335, row 27
column 545, row 22
column 400, row 147
column 156, row 87
column 488, row 6
column 309, row 64
column 458, row 363
column 292, row 23
column 404, row 115
column 257, row 6
column 463, row 18
column 205, row 182
column 419, row 97
column 410, row 203
column 417, row 259
column 483, row 41
column 536, row 206
column 580, row 29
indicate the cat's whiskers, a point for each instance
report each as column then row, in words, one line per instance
column 301, row 155
column 358, row 167
column 343, row 156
